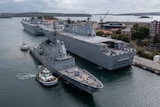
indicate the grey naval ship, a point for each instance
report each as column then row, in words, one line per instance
column 54, row 57
column 81, row 40
column 32, row 25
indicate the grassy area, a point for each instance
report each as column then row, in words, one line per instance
column 146, row 54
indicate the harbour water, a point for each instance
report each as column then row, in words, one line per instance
column 117, row 18
column 127, row 87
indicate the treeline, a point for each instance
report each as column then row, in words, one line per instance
column 47, row 17
column 35, row 14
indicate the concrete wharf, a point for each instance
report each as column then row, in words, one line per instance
column 146, row 64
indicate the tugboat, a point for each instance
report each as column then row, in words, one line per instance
column 24, row 47
column 46, row 78
column 55, row 58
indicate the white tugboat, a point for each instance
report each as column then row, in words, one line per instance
column 24, row 47
column 46, row 78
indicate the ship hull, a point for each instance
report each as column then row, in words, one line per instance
column 34, row 29
column 50, row 66
column 91, row 53
column 81, row 86
column 47, row 83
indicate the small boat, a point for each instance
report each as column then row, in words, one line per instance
column 24, row 47
column 46, row 78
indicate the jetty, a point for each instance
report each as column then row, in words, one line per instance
column 146, row 64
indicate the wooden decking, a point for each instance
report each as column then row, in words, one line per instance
column 146, row 64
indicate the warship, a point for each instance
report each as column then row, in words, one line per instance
column 54, row 56
column 32, row 25
column 81, row 39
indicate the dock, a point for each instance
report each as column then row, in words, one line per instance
column 146, row 64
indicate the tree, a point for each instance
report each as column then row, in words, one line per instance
column 156, row 39
column 139, row 32
column 135, row 26
column 100, row 33
column 145, row 31
column 118, row 31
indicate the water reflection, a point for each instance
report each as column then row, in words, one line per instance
column 80, row 96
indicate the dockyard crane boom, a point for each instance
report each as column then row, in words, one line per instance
column 101, row 19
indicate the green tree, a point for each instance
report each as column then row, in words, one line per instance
column 156, row 39
column 100, row 33
column 139, row 32
column 135, row 26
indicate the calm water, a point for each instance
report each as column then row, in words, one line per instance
column 129, row 87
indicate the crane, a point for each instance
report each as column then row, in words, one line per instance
column 101, row 19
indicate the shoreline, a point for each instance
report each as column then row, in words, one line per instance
column 146, row 64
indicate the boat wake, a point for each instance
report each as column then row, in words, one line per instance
column 24, row 76
column 29, row 74
column 40, row 67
